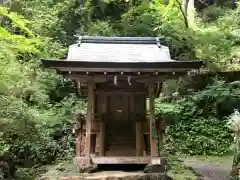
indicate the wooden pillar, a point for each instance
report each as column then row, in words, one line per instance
column 102, row 126
column 78, row 131
column 102, row 139
column 153, row 140
column 138, row 138
column 90, row 109
column 78, row 145
column 161, row 134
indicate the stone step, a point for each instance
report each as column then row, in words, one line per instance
column 114, row 175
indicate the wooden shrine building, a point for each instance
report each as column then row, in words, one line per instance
column 118, row 74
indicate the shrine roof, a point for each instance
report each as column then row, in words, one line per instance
column 118, row 49
column 119, row 52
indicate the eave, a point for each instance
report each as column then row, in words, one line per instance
column 126, row 67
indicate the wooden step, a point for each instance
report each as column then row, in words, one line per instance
column 121, row 151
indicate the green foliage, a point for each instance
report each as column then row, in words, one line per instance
column 140, row 21
column 101, row 28
column 56, row 19
column 35, row 126
column 200, row 120
column 211, row 13
column 218, row 42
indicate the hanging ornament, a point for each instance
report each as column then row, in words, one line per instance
column 115, row 80
column 129, row 80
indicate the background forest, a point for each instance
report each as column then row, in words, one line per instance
column 37, row 107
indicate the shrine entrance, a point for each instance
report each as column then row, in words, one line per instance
column 120, row 128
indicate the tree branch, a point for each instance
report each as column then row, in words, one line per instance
column 184, row 14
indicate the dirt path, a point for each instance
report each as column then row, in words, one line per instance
column 210, row 171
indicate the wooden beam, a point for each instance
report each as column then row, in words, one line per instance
column 124, row 70
column 140, row 78
column 90, row 109
column 153, row 140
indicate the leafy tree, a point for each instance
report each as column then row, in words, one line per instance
column 33, row 126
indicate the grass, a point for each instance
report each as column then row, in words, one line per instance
column 54, row 172
column 178, row 170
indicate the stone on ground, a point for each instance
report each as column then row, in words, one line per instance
column 154, row 168
column 210, row 171
column 113, row 175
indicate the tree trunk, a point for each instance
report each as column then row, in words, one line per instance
column 235, row 166
column 236, row 159
column 185, row 7
column 234, row 4
column 190, row 12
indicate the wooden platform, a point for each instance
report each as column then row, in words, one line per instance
column 123, row 160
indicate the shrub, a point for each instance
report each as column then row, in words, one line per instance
column 198, row 121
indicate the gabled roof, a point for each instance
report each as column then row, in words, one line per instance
column 119, row 54
column 119, row 49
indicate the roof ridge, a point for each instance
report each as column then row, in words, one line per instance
column 119, row 40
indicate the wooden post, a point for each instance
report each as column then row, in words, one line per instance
column 153, row 140
column 102, row 139
column 90, row 109
column 102, row 126
column 138, row 138
column 78, row 128
column 162, row 128
column 78, row 145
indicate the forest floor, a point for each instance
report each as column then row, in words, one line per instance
column 210, row 167
column 190, row 167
